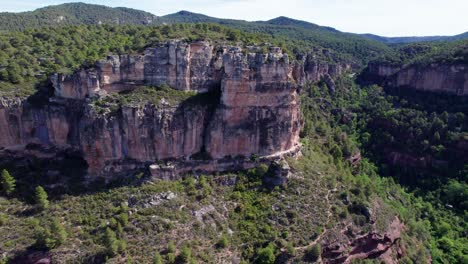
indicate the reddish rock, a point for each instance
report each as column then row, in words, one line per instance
column 257, row 113
column 372, row 245
column 259, row 109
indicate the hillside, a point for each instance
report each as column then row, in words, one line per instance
column 302, row 35
column 403, row 40
column 75, row 14
column 194, row 139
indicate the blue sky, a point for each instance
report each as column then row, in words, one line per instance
column 387, row 18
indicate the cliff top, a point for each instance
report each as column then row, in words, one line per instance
column 162, row 96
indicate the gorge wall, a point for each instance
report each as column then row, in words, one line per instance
column 246, row 104
column 436, row 77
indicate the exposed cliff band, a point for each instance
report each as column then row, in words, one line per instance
column 257, row 113
column 437, row 77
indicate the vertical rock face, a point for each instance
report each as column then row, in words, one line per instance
column 195, row 66
column 21, row 124
column 445, row 78
column 309, row 69
column 143, row 134
column 258, row 112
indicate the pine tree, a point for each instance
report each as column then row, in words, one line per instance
column 110, row 242
column 8, row 183
column 41, row 198
column 157, row 259
column 50, row 236
column 58, row 232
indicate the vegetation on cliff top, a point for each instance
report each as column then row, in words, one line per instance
column 74, row 14
column 29, row 57
column 426, row 53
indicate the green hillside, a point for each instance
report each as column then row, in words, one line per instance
column 75, row 14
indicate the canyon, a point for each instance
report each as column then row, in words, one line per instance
column 244, row 106
column 436, row 77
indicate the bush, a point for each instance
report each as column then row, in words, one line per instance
column 110, row 242
column 157, row 259
column 171, row 258
column 266, row 255
column 41, row 198
column 171, row 248
column 8, row 183
column 313, row 253
column 3, row 219
column 291, row 249
column 223, row 241
column 52, row 236
column 185, row 254
column 123, row 219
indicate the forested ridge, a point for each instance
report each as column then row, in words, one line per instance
column 413, row 144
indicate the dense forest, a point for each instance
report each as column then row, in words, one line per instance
column 425, row 53
column 74, row 14
column 414, row 148
column 412, row 126
column 31, row 56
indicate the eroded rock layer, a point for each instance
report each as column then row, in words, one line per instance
column 444, row 78
column 252, row 108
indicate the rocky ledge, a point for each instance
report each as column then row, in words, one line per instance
column 436, row 77
column 242, row 104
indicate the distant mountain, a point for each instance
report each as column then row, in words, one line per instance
column 305, row 35
column 74, row 14
column 346, row 45
column 189, row 17
column 396, row 40
column 286, row 21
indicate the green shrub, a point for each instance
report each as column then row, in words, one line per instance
column 223, row 241
column 110, row 242
column 3, row 219
column 171, row 248
column 50, row 236
column 266, row 255
column 8, row 182
column 185, row 254
column 157, row 259
column 291, row 249
column 313, row 252
column 171, row 258
column 41, row 198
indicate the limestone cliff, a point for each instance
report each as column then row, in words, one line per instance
column 183, row 66
column 251, row 107
column 258, row 111
column 437, row 77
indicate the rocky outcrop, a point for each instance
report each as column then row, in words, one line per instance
column 259, row 107
column 247, row 105
column 196, row 66
column 277, row 175
column 436, row 77
column 372, row 245
column 183, row 66
column 308, row 68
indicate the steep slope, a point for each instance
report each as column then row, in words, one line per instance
column 75, row 14
column 435, row 67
